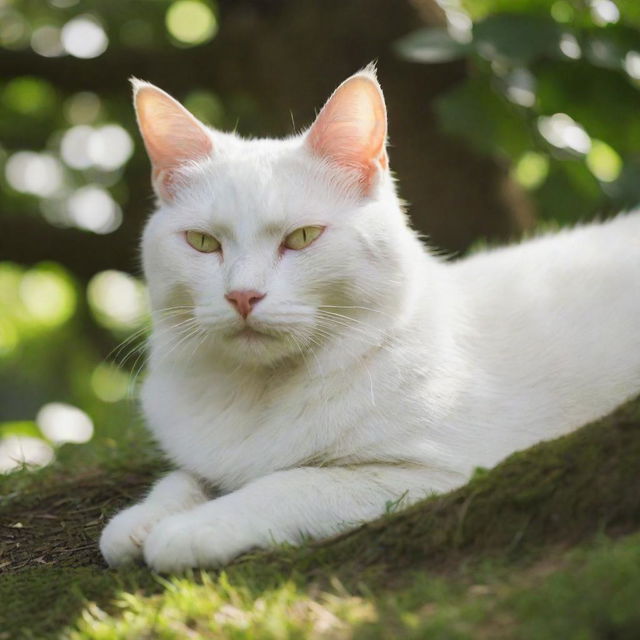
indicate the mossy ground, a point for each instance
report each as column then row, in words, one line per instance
column 546, row 545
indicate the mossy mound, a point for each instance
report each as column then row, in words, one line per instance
column 558, row 492
column 484, row 561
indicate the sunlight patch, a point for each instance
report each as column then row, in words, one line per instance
column 62, row 423
column 117, row 299
column 18, row 451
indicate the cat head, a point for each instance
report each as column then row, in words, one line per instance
column 261, row 250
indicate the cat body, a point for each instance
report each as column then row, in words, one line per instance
column 314, row 385
column 520, row 355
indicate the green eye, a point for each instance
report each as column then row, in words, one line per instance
column 202, row 242
column 302, row 237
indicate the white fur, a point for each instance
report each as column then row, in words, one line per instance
column 431, row 368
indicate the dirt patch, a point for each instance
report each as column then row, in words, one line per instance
column 58, row 523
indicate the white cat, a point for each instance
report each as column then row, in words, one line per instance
column 312, row 362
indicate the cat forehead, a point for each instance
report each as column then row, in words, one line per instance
column 266, row 181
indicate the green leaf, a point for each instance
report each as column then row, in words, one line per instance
column 431, row 46
column 483, row 117
column 518, row 38
column 480, row 8
column 569, row 193
column 604, row 103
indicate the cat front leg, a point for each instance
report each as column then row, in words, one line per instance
column 122, row 539
column 285, row 506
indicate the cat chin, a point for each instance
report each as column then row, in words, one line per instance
column 252, row 348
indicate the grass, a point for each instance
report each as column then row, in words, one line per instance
column 546, row 545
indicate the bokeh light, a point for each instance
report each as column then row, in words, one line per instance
column 632, row 64
column 604, row 12
column 520, row 87
column 603, row 161
column 92, row 208
column 531, row 170
column 84, row 37
column 29, row 96
column 14, row 29
column 74, row 147
column 191, row 22
column 118, row 300
column 48, row 295
column 17, row 451
column 40, row 174
column 459, row 24
column 107, row 147
column 562, row 11
column 46, row 41
column 82, row 107
column 110, row 147
column 570, row 46
column 564, row 132
column 61, row 423
column 109, row 383
column 54, row 210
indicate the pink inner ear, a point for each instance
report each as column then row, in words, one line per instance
column 172, row 135
column 351, row 129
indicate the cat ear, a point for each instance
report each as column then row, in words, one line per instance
column 351, row 129
column 172, row 135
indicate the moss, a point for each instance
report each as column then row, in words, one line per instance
column 596, row 596
column 487, row 560
column 37, row 602
column 557, row 492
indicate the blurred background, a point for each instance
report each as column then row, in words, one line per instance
column 504, row 117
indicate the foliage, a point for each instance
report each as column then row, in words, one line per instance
column 68, row 342
column 553, row 89
column 54, row 337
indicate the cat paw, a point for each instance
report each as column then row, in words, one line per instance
column 184, row 541
column 122, row 539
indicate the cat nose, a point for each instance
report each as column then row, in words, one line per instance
column 244, row 301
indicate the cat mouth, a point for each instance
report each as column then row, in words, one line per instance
column 251, row 334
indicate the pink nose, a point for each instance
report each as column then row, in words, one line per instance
column 244, row 301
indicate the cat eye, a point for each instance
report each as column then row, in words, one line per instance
column 302, row 237
column 202, row 242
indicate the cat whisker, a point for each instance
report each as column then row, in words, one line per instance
column 365, row 331
column 331, row 314
column 158, row 331
column 190, row 334
column 357, row 307
column 301, row 351
column 182, row 328
column 116, row 351
column 188, row 307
